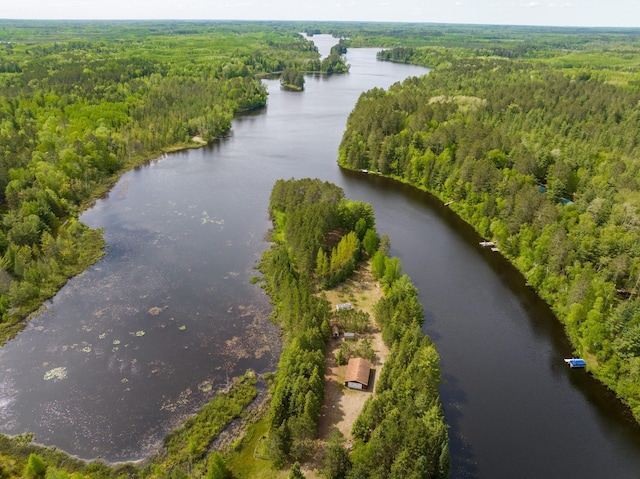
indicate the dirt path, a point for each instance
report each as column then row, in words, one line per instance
column 341, row 405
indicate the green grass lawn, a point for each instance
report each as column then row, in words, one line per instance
column 247, row 460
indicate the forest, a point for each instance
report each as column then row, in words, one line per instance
column 81, row 102
column 539, row 156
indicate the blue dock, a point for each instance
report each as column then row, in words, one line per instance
column 576, row 363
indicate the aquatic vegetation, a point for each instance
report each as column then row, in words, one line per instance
column 194, row 438
column 86, row 349
column 231, row 274
column 102, row 336
column 116, row 341
column 207, row 219
column 182, row 400
column 139, row 333
column 56, row 374
column 260, row 352
column 182, row 328
column 205, row 386
column 236, row 347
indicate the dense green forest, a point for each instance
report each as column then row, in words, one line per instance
column 609, row 54
column 542, row 159
column 80, row 102
column 401, row 433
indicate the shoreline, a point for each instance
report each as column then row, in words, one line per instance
column 11, row 330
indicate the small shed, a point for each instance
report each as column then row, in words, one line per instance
column 358, row 372
column 349, row 335
column 343, row 306
column 335, row 331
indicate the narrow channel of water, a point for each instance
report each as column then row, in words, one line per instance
column 145, row 336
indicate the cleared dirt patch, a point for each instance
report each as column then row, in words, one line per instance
column 342, row 405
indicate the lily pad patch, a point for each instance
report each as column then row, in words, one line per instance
column 56, row 374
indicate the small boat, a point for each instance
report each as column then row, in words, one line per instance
column 576, row 363
column 495, row 250
column 486, row 244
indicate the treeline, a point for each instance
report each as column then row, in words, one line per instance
column 401, row 431
column 334, row 63
column 292, row 79
column 606, row 53
column 298, row 388
column 87, row 100
column 545, row 164
column 309, row 216
column 311, row 219
column 326, row 233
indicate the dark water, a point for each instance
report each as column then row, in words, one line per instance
column 184, row 233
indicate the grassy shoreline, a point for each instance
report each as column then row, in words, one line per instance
column 185, row 449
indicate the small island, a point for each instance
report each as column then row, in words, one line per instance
column 292, row 80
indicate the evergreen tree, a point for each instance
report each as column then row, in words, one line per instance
column 296, row 473
column 337, row 463
column 216, row 468
column 35, row 468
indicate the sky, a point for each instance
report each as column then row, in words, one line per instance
column 589, row 13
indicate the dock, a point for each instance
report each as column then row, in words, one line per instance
column 487, row 244
column 576, row 363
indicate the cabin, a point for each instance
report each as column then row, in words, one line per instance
column 358, row 372
column 344, row 306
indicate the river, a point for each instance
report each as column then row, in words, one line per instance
column 124, row 351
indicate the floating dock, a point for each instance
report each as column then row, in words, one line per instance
column 576, row 363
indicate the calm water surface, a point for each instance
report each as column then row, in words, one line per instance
column 147, row 335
